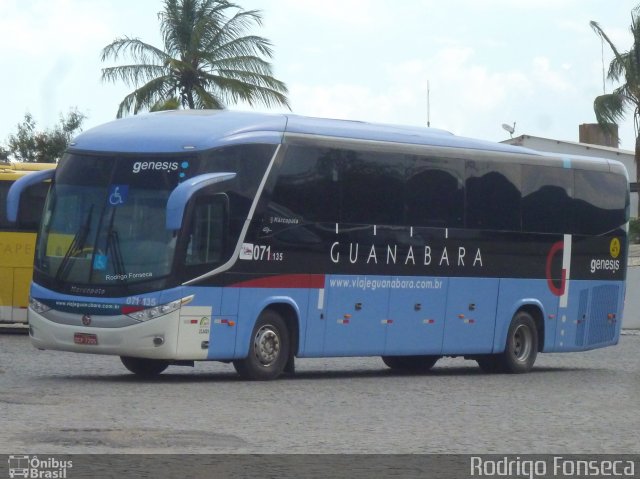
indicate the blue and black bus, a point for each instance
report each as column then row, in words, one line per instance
column 256, row 239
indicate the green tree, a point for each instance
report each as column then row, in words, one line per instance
column 625, row 68
column 29, row 144
column 208, row 60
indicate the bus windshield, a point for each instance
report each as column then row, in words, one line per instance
column 104, row 222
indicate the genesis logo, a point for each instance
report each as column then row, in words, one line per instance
column 166, row 166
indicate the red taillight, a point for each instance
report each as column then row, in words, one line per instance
column 130, row 309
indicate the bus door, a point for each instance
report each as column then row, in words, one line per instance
column 356, row 316
column 471, row 316
column 415, row 323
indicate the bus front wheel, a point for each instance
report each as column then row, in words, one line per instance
column 268, row 349
column 144, row 367
column 410, row 363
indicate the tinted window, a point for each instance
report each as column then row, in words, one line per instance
column 4, row 189
column 434, row 193
column 30, row 209
column 307, row 185
column 546, row 199
column 493, row 196
column 208, row 231
column 600, row 202
column 373, row 187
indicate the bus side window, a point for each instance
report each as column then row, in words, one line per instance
column 307, row 185
column 208, row 231
column 594, row 212
column 31, row 206
column 434, row 193
column 546, row 198
column 493, row 196
column 4, row 189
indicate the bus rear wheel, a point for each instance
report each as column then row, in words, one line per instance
column 146, row 368
column 410, row 363
column 268, row 350
column 521, row 348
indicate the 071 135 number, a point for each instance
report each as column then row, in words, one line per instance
column 255, row 252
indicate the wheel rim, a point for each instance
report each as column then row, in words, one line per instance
column 266, row 345
column 522, row 341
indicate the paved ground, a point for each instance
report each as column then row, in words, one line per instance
column 53, row 402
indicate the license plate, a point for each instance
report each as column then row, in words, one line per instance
column 84, row 338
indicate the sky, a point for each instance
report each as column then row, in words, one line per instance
column 466, row 66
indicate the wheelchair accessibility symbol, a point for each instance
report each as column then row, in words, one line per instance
column 118, row 194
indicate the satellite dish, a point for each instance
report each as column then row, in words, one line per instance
column 508, row 128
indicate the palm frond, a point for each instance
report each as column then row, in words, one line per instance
column 252, row 89
column 232, row 33
column 247, row 45
column 149, row 94
column 140, row 51
column 609, row 108
column 133, row 74
column 250, row 64
column 206, row 100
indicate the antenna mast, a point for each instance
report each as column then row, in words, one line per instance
column 428, row 106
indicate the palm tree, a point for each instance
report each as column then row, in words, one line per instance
column 611, row 107
column 208, row 61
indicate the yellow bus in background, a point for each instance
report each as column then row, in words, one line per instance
column 17, row 241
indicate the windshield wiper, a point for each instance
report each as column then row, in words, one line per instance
column 76, row 246
column 113, row 245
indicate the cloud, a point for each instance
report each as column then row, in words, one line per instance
column 359, row 13
column 33, row 27
column 546, row 76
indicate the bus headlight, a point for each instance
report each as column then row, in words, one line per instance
column 157, row 311
column 37, row 306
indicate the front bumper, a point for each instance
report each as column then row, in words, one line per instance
column 139, row 340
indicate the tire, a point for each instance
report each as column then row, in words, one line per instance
column 143, row 367
column 521, row 347
column 269, row 349
column 414, row 364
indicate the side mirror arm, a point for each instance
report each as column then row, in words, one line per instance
column 18, row 187
column 180, row 196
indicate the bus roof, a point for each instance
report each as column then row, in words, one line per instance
column 198, row 130
column 177, row 131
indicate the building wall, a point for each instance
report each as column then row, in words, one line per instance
column 631, row 318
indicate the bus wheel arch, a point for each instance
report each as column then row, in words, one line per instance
column 272, row 344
